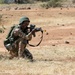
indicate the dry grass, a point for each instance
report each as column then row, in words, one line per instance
column 57, row 60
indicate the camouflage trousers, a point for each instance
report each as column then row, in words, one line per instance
column 19, row 49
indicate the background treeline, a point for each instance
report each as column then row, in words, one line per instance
column 45, row 3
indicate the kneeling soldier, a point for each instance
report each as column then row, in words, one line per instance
column 19, row 38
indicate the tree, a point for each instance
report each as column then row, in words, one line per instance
column 19, row 1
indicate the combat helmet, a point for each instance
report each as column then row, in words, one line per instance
column 22, row 19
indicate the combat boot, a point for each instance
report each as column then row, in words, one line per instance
column 27, row 54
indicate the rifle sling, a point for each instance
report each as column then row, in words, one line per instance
column 38, row 43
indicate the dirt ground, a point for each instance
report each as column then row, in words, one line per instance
column 55, row 55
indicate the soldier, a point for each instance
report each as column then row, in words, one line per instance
column 20, row 35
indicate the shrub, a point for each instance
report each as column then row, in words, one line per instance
column 42, row 0
column 52, row 3
column 2, row 1
column 0, row 18
column 73, row 1
column 29, row 1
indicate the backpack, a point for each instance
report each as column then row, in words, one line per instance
column 9, row 39
column 9, row 34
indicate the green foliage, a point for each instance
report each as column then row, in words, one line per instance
column 29, row 1
column 42, row 0
column 1, row 1
column 52, row 3
column 0, row 18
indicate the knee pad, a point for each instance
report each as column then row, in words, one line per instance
column 8, row 47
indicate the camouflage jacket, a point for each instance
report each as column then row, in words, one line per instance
column 19, row 33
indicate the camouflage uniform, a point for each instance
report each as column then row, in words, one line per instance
column 21, row 37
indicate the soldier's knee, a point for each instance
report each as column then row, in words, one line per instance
column 8, row 47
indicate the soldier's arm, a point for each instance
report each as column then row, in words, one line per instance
column 18, row 32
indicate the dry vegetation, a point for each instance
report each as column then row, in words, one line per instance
column 58, row 60
column 55, row 55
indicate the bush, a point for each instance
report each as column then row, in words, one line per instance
column 73, row 1
column 29, row 1
column 1, row 1
column 0, row 18
column 52, row 3
column 42, row 0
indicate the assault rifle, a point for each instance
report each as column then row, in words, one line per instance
column 36, row 29
column 32, row 27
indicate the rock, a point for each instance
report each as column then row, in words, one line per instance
column 47, row 33
column 61, row 8
column 70, row 33
column 63, row 25
column 57, row 23
column 67, row 42
column 29, row 8
column 60, row 13
column 47, row 7
column 53, row 45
